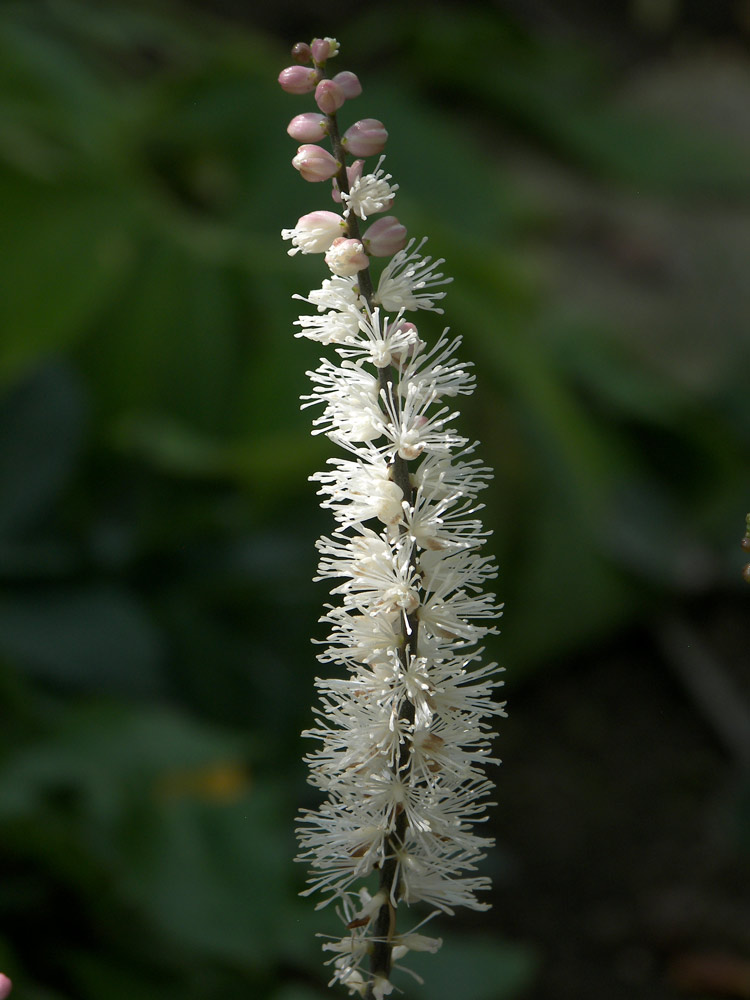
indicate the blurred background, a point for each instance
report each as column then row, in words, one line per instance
column 584, row 168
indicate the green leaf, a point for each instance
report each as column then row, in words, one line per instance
column 68, row 249
column 99, row 976
column 213, row 876
column 112, row 756
column 299, row 993
column 556, row 93
column 41, row 422
column 96, row 637
column 473, row 968
column 171, row 346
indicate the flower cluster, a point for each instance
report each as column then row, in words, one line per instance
column 404, row 735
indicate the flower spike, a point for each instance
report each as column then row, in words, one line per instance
column 402, row 738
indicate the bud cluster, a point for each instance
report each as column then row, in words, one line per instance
column 404, row 736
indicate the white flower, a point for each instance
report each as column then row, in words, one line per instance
column 352, row 413
column 437, row 371
column 442, row 476
column 416, row 942
column 338, row 326
column 370, row 193
column 346, row 257
column 334, row 293
column 414, row 426
column 384, row 341
column 407, row 282
column 382, row 987
column 440, row 524
column 360, row 490
column 314, row 232
column 380, row 575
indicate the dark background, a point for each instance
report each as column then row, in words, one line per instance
column 584, row 168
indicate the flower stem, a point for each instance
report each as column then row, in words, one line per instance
column 384, row 927
column 352, row 223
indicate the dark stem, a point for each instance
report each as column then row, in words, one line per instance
column 352, row 223
column 384, row 925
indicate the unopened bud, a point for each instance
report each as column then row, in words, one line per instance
column 298, row 79
column 324, row 48
column 315, row 163
column 5, row 986
column 346, row 257
column 349, row 83
column 385, row 237
column 329, row 96
column 309, row 127
column 404, row 327
column 302, row 53
column 404, row 333
column 365, row 138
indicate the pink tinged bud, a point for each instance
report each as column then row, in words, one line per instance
column 406, row 335
column 324, row 48
column 404, row 327
column 349, row 83
column 309, row 127
column 302, row 53
column 346, row 257
column 315, row 163
column 5, row 986
column 298, row 79
column 353, row 173
column 385, row 237
column 329, row 96
column 365, row 138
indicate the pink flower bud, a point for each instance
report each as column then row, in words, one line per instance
column 404, row 327
column 329, row 96
column 406, row 336
column 365, row 137
column 349, row 83
column 385, row 237
column 298, row 79
column 309, row 127
column 345, row 257
column 302, row 53
column 5, row 986
column 353, row 173
column 324, row 48
column 315, row 163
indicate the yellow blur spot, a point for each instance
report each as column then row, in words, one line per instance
column 223, row 782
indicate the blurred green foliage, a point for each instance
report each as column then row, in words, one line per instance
column 156, row 525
